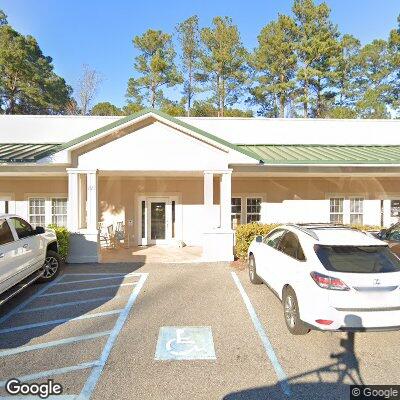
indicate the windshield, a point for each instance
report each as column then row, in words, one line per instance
column 358, row 259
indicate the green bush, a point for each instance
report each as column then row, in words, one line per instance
column 366, row 227
column 246, row 233
column 62, row 239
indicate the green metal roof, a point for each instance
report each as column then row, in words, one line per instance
column 324, row 154
column 25, row 152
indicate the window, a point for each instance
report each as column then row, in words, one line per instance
column 173, row 218
column 236, row 211
column 273, row 238
column 22, row 227
column 59, row 212
column 253, row 209
column 358, row 259
column 143, row 219
column 290, row 245
column 6, row 235
column 37, row 212
column 356, row 211
column 336, row 210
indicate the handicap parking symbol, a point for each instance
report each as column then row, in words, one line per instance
column 185, row 343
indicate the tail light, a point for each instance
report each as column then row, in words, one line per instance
column 328, row 282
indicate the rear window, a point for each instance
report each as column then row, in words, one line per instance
column 358, row 259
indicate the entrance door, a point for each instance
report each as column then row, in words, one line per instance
column 159, row 220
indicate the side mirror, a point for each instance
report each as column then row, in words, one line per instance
column 382, row 234
column 259, row 239
column 39, row 230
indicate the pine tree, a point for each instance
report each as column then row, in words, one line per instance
column 189, row 38
column 155, row 66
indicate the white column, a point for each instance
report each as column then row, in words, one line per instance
column 208, row 199
column 225, row 199
column 73, row 201
column 92, row 201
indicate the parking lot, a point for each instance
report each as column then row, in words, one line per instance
column 199, row 331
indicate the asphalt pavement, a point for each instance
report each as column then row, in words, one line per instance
column 183, row 331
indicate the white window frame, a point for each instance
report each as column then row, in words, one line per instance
column 243, row 201
column 48, row 200
column 336, row 212
column 35, row 215
column 351, row 213
column 251, row 213
column 234, row 213
column 58, row 215
column 346, row 206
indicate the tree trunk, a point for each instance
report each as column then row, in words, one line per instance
column 189, row 91
column 305, row 100
column 282, row 106
column 222, row 97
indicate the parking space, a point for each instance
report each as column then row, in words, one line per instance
column 198, row 331
column 66, row 330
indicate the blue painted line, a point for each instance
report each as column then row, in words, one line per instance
column 54, row 343
column 71, row 303
column 59, row 321
column 95, row 279
column 26, row 302
column 282, row 377
column 53, row 372
column 98, row 369
column 87, row 289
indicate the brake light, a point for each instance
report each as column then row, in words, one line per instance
column 323, row 321
column 328, row 282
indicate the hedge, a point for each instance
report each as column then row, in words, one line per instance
column 247, row 232
column 62, row 239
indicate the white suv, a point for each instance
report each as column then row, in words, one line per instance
column 329, row 277
column 26, row 255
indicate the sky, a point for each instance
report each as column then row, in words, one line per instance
column 99, row 32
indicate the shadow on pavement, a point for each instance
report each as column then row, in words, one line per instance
column 332, row 379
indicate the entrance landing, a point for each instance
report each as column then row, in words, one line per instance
column 152, row 254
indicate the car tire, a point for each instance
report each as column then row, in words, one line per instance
column 291, row 313
column 51, row 266
column 254, row 278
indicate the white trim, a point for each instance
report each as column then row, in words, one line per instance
column 147, row 198
column 244, row 197
column 47, row 205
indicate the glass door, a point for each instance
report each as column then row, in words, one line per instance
column 159, row 220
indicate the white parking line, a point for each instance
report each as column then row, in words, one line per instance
column 71, row 303
column 87, row 289
column 52, row 372
column 59, row 321
column 264, row 337
column 96, row 279
column 54, row 343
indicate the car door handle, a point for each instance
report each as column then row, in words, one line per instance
column 1, row 255
column 25, row 246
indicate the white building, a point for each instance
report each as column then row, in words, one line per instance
column 169, row 180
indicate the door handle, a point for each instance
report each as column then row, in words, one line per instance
column 25, row 246
column 1, row 255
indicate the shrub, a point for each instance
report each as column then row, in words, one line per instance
column 366, row 227
column 246, row 233
column 62, row 239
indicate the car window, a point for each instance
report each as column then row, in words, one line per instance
column 358, row 259
column 6, row 235
column 23, row 228
column 394, row 234
column 272, row 239
column 290, row 245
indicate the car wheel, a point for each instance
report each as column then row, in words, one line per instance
column 291, row 313
column 51, row 266
column 254, row 278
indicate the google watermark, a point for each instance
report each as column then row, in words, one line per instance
column 375, row 392
column 15, row 387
